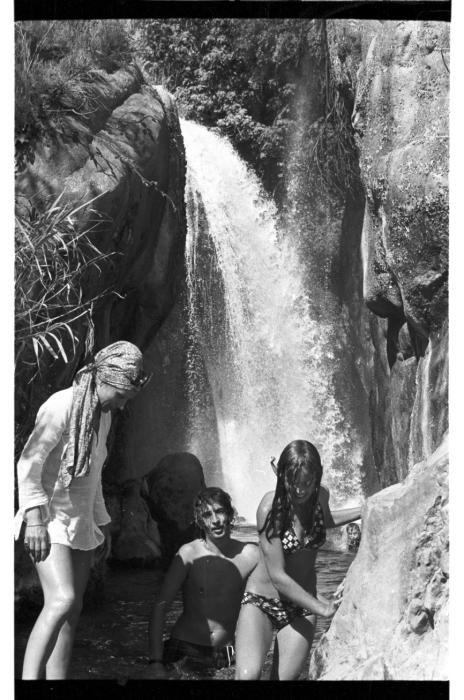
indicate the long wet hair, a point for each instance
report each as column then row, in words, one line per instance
column 210, row 495
column 297, row 456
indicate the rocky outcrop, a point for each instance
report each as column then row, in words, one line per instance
column 401, row 118
column 135, row 537
column 128, row 161
column 395, row 605
column 393, row 620
column 397, row 76
column 132, row 171
column 172, row 487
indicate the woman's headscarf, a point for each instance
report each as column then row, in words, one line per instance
column 121, row 366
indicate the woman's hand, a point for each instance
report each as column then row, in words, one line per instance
column 37, row 542
column 328, row 608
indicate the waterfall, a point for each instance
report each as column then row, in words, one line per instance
column 255, row 349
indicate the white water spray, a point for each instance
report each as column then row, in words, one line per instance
column 266, row 360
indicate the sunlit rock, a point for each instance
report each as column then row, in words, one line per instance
column 393, row 621
column 401, row 117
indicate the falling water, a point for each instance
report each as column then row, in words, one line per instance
column 254, row 348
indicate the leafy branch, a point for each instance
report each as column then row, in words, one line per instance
column 52, row 262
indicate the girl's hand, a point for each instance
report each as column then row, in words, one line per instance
column 37, row 542
column 329, row 609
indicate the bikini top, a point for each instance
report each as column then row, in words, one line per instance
column 313, row 540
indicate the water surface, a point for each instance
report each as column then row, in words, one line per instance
column 111, row 641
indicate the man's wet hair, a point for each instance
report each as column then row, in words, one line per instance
column 208, row 496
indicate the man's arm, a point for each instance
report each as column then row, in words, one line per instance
column 172, row 582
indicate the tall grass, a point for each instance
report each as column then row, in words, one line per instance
column 52, row 262
column 53, row 76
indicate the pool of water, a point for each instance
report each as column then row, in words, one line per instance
column 111, row 640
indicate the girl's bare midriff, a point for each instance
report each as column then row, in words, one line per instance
column 300, row 566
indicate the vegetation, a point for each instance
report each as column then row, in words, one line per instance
column 54, row 79
column 52, row 260
column 245, row 77
column 55, row 64
column 237, row 75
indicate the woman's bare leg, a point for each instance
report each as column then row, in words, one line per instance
column 58, row 661
column 253, row 638
column 56, row 575
column 292, row 647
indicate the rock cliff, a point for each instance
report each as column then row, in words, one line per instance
column 393, row 621
column 128, row 158
column 396, row 594
column 384, row 249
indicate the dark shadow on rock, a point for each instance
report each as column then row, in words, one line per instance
column 171, row 489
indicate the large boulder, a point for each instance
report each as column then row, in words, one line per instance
column 401, row 118
column 398, row 74
column 128, row 160
column 393, row 621
column 172, row 487
column 135, row 537
column 132, row 170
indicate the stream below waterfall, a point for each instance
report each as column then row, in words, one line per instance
column 111, row 640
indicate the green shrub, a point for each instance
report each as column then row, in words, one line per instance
column 245, row 78
column 52, row 260
column 53, row 61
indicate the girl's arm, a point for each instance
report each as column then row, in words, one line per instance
column 336, row 518
column 275, row 562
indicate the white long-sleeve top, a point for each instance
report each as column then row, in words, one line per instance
column 73, row 514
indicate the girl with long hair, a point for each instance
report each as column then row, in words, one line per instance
column 281, row 592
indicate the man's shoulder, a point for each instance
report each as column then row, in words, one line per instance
column 246, row 550
column 250, row 550
column 191, row 549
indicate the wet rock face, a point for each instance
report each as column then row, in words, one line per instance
column 401, row 119
column 135, row 537
column 130, row 163
column 129, row 157
column 392, row 623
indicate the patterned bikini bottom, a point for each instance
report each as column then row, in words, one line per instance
column 280, row 612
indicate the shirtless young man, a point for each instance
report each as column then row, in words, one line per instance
column 212, row 572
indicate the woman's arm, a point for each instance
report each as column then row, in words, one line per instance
column 48, row 430
column 336, row 518
column 275, row 564
column 344, row 516
column 100, row 513
column 173, row 581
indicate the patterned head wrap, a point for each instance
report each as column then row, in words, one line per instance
column 121, row 366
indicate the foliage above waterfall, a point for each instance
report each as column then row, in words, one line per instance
column 245, row 77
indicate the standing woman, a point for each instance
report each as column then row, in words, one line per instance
column 61, row 499
column 281, row 592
